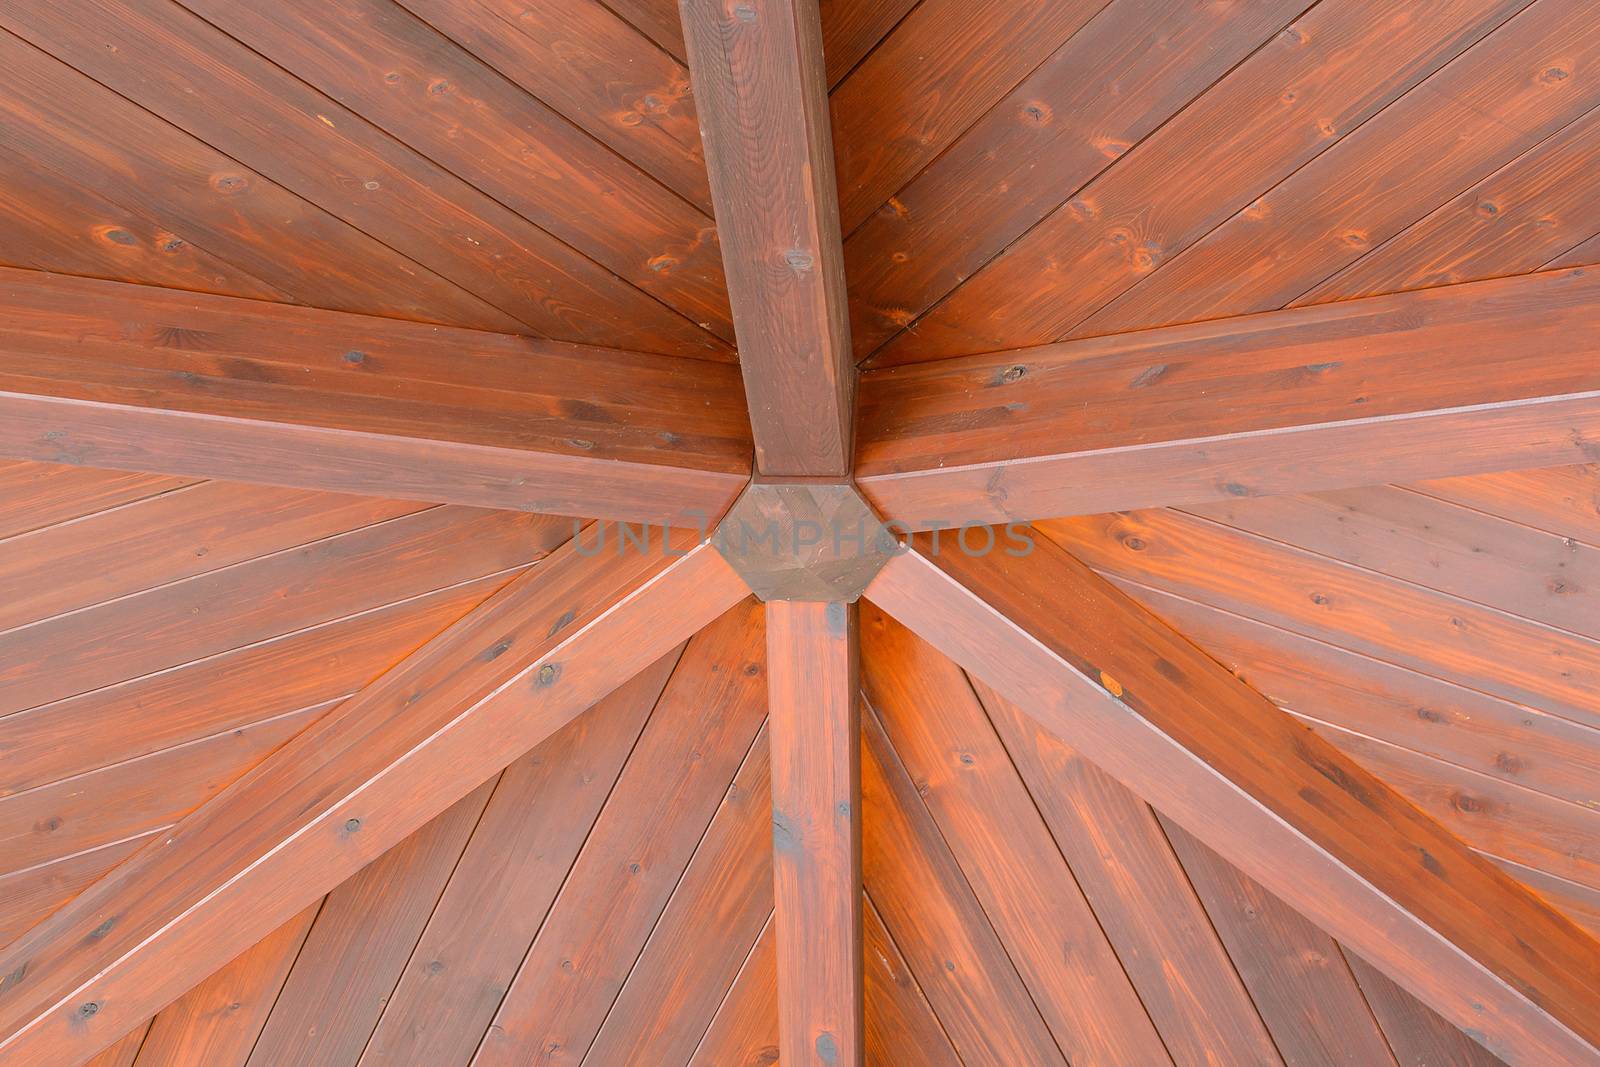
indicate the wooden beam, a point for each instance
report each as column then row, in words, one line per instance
column 339, row 794
column 761, row 91
column 128, row 377
column 814, row 696
column 1464, row 379
column 1260, row 789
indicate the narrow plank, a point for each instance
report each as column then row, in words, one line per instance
column 396, row 72
column 1457, row 380
column 656, row 19
column 1466, row 553
column 1367, row 696
column 1316, row 597
column 1535, row 207
column 507, row 879
column 695, row 952
column 900, row 1026
column 167, row 538
column 1131, row 68
column 1270, row 796
column 109, row 375
column 853, row 28
column 583, row 61
column 132, row 798
column 933, row 916
column 1558, row 500
column 216, row 1023
column 50, row 221
column 638, row 850
column 1140, row 893
column 29, row 896
column 361, row 940
column 761, row 91
column 944, row 65
column 745, row 1030
column 179, row 67
column 1005, row 850
column 813, row 697
column 123, row 1052
column 37, row 495
column 311, row 667
column 1327, row 73
column 1584, row 254
column 1496, row 101
column 58, row 118
column 1296, row 974
column 271, row 595
column 1418, row 1037
column 1578, row 901
column 342, row 792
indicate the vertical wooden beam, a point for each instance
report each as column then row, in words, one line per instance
column 761, row 92
column 814, row 697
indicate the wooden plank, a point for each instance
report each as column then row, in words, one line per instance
column 64, row 122
column 1578, row 901
column 123, row 1052
column 361, row 940
column 1418, row 539
column 342, row 792
column 1266, row 793
column 1558, row 500
column 395, row 71
column 1365, row 695
column 932, row 914
column 1512, row 222
column 217, row 1022
column 986, row 816
column 310, row 667
column 1131, row 68
column 37, row 495
column 583, row 61
column 29, row 896
column 760, row 89
column 1456, row 128
column 1462, row 379
column 1140, row 893
column 814, row 693
column 167, row 538
column 745, row 1030
column 203, row 81
column 129, row 377
column 667, row 796
column 944, row 65
column 697, row 948
column 1297, row 975
column 900, row 1026
column 1510, row 658
column 1323, row 76
column 1418, row 1037
column 210, row 614
column 507, row 879
column 853, row 28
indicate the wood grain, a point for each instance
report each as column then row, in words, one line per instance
column 1456, row 380
column 761, row 91
column 366, row 777
column 1263, row 791
column 813, row 664
column 129, row 377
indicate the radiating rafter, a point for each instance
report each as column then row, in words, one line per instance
column 761, row 90
column 105, row 374
column 1260, row 789
column 1489, row 376
column 342, row 792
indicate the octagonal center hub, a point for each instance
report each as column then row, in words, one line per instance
column 804, row 539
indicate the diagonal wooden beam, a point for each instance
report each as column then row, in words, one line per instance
column 129, row 377
column 813, row 656
column 333, row 799
column 1463, row 379
column 760, row 88
column 1262, row 790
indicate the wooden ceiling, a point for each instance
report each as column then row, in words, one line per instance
column 479, row 246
